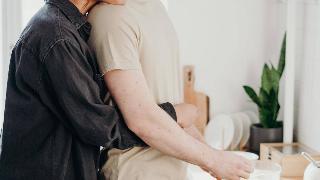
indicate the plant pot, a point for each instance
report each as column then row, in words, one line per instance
column 259, row 135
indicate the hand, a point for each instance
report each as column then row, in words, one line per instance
column 227, row 165
column 186, row 114
column 115, row 2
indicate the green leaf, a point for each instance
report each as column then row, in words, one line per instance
column 282, row 60
column 275, row 114
column 269, row 108
column 266, row 78
column 264, row 97
column 274, row 105
column 265, row 118
column 252, row 94
column 275, row 79
column 270, row 79
column 269, row 92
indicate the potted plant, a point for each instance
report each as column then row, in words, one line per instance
column 269, row 129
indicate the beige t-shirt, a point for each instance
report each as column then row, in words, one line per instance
column 139, row 35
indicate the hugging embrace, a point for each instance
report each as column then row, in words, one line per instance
column 94, row 93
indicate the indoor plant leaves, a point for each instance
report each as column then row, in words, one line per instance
column 268, row 98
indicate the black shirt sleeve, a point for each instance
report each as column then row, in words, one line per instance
column 168, row 107
column 78, row 95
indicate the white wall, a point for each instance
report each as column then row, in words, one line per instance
column 1, row 72
column 308, row 78
column 228, row 41
column 30, row 7
column 1, row 49
column 1, row 38
column 11, row 19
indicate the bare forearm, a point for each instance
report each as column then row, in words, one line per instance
column 186, row 116
column 165, row 135
column 194, row 132
column 152, row 124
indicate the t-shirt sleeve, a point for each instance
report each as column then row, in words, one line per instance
column 115, row 41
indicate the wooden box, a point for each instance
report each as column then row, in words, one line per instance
column 288, row 156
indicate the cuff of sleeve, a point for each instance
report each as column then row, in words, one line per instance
column 169, row 108
column 119, row 66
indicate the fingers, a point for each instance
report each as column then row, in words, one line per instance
column 233, row 167
column 248, row 167
column 235, row 178
column 249, row 163
column 245, row 169
column 246, row 161
column 244, row 174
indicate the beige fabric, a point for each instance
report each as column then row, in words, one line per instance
column 143, row 164
column 140, row 36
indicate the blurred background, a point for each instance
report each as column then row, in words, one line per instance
column 228, row 41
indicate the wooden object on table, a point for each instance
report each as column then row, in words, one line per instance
column 203, row 105
column 200, row 100
column 188, row 83
column 289, row 157
column 291, row 178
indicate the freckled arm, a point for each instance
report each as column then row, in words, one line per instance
column 151, row 123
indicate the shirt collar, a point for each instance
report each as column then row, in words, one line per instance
column 74, row 16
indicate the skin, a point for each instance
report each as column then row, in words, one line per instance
column 187, row 114
column 156, row 128
column 84, row 6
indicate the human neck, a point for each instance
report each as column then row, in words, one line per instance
column 83, row 5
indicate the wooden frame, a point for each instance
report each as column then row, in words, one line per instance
column 293, row 164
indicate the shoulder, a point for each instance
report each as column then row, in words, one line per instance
column 47, row 27
column 109, row 11
column 109, row 16
column 112, row 22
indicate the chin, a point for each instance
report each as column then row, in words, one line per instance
column 115, row 2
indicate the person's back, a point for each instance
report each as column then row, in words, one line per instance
column 140, row 36
column 37, row 139
column 156, row 48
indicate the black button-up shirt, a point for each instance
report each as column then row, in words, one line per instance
column 55, row 120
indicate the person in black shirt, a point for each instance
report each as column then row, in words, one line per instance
column 55, row 118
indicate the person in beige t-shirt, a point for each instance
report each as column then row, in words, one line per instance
column 152, row 46
column 139, row 37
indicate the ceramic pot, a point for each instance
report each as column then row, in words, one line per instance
column 259, row 135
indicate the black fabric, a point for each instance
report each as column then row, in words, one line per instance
column 126, row 136
column 55, row 120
